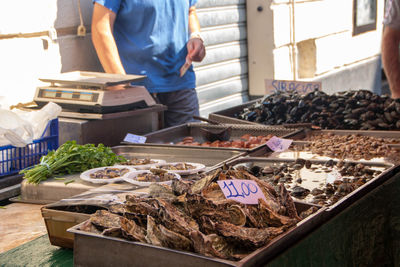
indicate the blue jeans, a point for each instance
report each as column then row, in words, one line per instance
column 182, row 105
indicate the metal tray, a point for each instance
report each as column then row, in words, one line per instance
column 300, row 139
column 68, row 212
column 228, row 115
column 209, row 157
column 169, row 136
column 305, row 133
column 389, row 171
column 110, row 251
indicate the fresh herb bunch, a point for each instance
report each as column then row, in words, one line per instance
column 71, row 158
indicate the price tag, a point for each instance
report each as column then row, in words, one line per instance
column 137, row 139
column 243, row 191
column 333, row 176
column 278, row 144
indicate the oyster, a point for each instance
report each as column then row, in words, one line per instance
column 159, row 235
column 199, row 185
column 176, row 220
column 197, row 206
column 103, row 219
column 87, row 226
column 180, row 187
column 213, row 192
column 211, row 245
column 243, row 237
column 263, row 216
column 162, row 191
column 117, row 209
column 132, row 231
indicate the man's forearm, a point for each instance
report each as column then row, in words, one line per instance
column 390, row 59
column 103, row 39
column 194, row 25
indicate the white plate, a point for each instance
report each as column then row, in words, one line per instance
column 145, row 166
column 198, row 167
column 86, row 175
column 131, row 178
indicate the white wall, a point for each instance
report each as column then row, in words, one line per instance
column 311, row 39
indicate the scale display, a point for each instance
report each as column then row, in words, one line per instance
column 69, row 95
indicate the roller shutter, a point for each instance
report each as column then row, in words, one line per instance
column 222, row 77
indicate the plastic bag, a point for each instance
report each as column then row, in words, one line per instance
column 40, row 118
column 20, row 128
column 14, row 130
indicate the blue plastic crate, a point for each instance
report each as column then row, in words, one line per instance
column 13, row 159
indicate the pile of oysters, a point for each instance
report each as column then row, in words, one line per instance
column 195, row 216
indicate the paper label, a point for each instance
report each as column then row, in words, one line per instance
column 272, row 86
column 333, row 176
column 243, row 191
column 278, row 144
column 137, row 139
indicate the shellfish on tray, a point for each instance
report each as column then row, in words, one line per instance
column 141, row 163
column 182, row 168
column 109, row 174
column 191, row 221
column 146, row 177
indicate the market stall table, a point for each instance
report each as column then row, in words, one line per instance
column 365, row 233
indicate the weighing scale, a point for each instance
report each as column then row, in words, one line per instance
column 87, row 92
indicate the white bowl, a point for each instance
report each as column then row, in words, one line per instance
column 198, row 167
column 145, row 166
column 131, row 178
column 86, row 175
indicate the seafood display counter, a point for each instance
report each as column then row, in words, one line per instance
column 364, row 234
column 325, row 178
column 193, row 224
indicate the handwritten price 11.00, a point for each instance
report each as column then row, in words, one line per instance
column 243, row 191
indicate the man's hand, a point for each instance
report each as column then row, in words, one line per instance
column 196, row 50
column 395, row 92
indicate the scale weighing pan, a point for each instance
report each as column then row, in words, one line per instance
column 87, row 92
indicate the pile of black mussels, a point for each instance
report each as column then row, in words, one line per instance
column 353, row 110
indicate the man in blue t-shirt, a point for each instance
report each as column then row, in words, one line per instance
column 390, row 46
column 159, row 39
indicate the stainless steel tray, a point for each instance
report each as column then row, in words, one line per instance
column 93, row 249
column 301, row 138
column 209, row 157
column 388, row 172
column 169, row 136
column 305, row 133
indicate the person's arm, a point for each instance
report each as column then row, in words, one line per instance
column 103, row 39
column 390, row 59
column 195, row 46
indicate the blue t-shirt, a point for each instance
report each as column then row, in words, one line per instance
column 151, row 37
